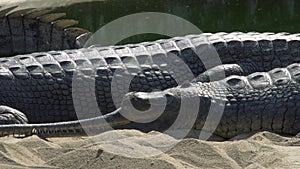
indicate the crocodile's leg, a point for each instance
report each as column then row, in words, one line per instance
column 9, row 115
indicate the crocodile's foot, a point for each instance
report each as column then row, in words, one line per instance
column 9, row 115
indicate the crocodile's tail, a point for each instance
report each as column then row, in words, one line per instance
column 70, row 128
column 31, row 30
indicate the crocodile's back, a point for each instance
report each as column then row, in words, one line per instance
column 50, row 86
column 33, row 30
column 42, row 85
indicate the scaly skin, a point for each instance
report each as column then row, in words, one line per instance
column 260, row 101
column 37, row 30
column 40, row 84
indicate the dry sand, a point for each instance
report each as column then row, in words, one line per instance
column 262, row 150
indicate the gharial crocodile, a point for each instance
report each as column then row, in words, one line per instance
column 38, row 87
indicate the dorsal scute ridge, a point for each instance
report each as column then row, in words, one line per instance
column 31, row 30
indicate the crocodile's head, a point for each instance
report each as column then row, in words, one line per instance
column 146, row 107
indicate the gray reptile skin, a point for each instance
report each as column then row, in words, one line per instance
column 32, row 30
column 40, row 84
column 259, row 101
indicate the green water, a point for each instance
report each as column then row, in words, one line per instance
column 208, row 15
